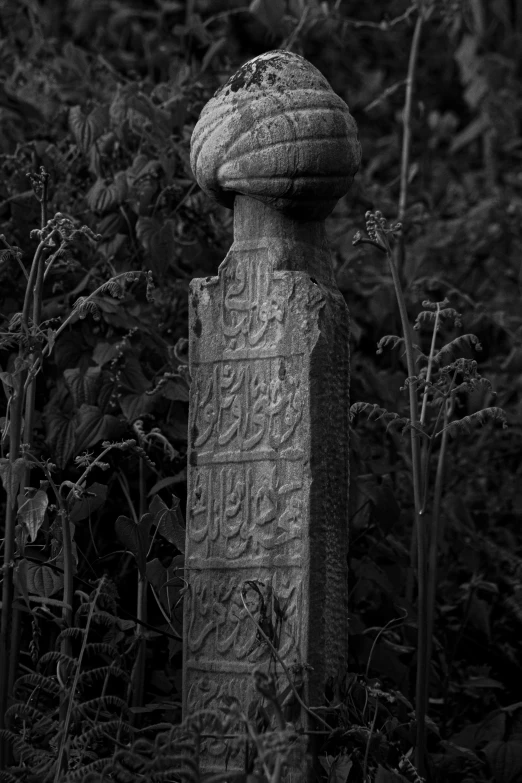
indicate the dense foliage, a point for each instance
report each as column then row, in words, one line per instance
column 96, row 111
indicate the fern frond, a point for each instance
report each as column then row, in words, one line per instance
column 104, row 703
column 26, row 712
column 473, row 384
column 480, row 417
column 389, row 341
column 10, row 254
column 468, row 367
column 70, row 633
column 6, row 777
column 376, row 413
column 394, row 341
column 101, row 648
column 101, row 618
column 37, row 680
column 88, row 772
column 33, row 757
column 89, row 676
column 55, row 656
column 85, row 305
column 435, row 313
column 449, row 350
column 106, row 730
column 114, row 288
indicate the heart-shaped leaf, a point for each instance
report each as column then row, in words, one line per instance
column 43, row 580
column 32, row 512
column 169, row 521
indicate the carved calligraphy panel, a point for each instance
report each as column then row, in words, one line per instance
column 247, row 409
column 247, row 514
column 250, row 482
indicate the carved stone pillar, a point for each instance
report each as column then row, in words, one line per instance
column 269, row 404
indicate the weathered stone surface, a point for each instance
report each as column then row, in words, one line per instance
column 268, row 440
column 276, row 131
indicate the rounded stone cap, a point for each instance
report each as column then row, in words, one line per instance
column 277, row 132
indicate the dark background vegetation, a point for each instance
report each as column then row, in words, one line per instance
column 105, row 94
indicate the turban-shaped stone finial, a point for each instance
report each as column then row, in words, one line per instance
column 278, row 133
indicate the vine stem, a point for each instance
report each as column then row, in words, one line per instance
column 276, row 654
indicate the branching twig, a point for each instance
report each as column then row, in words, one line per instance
column 284, row 667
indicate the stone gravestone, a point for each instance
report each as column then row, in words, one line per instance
column 269, row 362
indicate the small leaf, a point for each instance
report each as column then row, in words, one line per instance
column 86, row 129
column 103, row 195
column 169, row 521
column 20, row 578
column 505, row 760
column 83, row 385
column 92, row 426
column 43, row 580
column 32, row 512
column 61, row 429
column 81, row 509
column 340, row 770
column 11, row 474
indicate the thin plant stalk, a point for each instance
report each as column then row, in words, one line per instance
column 429, row 370
column 434, row 537
column 426, row 451
column 420, row 690
column 406, row 116
column 397, row 267
column 406, row 133
column 138, row 672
